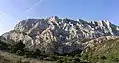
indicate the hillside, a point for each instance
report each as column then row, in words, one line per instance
column 6, row 57
column 100, row 50
column 56, row 35
column 62, row 41
column 104, row 52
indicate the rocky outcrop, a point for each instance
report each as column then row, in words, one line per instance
column 97, row 41
column 59, row 35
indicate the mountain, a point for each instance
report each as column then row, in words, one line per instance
column 102, row 50
column 55, row 35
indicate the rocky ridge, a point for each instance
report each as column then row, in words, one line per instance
column 59, row 35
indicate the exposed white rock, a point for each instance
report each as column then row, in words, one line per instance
column 92, row 43
column 59, row 35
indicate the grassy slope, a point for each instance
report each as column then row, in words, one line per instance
column 106, row 52
column 6, row 57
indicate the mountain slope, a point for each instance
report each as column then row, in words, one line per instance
column 55, row 35
column 100, row 50
column 104, row 52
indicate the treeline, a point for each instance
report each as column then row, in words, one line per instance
column 19, row 49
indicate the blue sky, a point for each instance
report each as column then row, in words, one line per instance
column 11, row 11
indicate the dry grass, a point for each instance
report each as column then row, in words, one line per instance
column 6, row 57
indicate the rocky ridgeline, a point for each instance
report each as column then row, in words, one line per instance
column 59, row 35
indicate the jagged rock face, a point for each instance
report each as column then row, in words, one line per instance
column 59, row 35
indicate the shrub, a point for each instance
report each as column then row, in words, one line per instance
column 103, row 57
column 19, row 52
column 17, row 46
column 59, row 61
column 37, row 52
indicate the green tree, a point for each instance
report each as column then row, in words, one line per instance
column 17, row 46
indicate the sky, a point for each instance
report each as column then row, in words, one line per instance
column 13, row 11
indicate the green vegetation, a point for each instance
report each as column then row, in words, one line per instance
column 106, row 52
column 18, row 48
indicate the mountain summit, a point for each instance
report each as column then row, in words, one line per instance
column 59, row 35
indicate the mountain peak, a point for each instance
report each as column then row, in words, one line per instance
column 62, row 32
column 53, row 18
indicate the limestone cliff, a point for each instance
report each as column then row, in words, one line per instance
column 59, row 35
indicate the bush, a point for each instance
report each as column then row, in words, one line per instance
column 17, row 46
column 37, row 52
column 77, row 59
column 19, row 52
column 103, row 57
column 12, row 49
column 74, row 61
column 59, row 61
column 20, row 46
